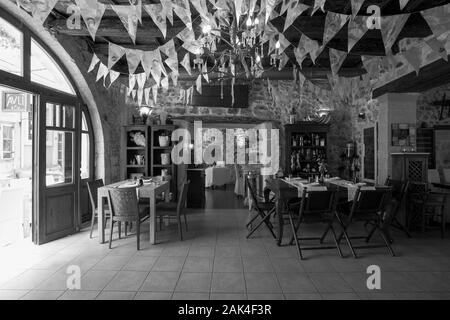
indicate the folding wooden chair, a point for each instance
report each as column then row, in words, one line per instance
column 315, row 207
column 368, row 206
column 393, row 220
column 264, row 211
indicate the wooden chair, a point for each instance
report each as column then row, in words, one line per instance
column 93, row 187
column 124, row 206
column 174, row 210
column 400, row 191
column 315, row 207
column 264, row 210
column 368, row 207
column 426, row 205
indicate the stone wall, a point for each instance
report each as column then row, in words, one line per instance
column 268, row 101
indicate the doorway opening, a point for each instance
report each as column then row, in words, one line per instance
column 16, row 165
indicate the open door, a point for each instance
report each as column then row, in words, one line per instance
column 58, row 180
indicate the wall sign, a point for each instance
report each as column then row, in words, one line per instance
column 15, row 102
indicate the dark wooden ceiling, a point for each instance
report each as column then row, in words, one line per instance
column 149, row 37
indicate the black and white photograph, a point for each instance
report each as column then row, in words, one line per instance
column 245, row 151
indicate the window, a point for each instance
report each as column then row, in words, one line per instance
column 11, row 48
column 7, row 141
column 46, row 72
column 59, row 143
column 85, row 148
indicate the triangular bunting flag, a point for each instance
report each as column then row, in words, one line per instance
column 337, row 58
column 205, row 72
column 115, row 53
column 113, row 76
column 167, row 8
column 147, row 95
column 186, row 63
column 284, row 43
column 165, row 84
column 94, row 62
column 172, row 59
column 183, row 11
column 129, row 17
column 131, row 82
column 318, row 4
column 285, row 5
column 438, row 19
column 41, row 11
column 155, row 93
column 403, row 4
column 102, row 73
column 140, row 96
column 391, row 26
column 414, row 57
column 300, row 52
column 270, row 4
column 293, row 12
column 202, row 9
column 437, row 47
column 198, row 84
column 141, row 78
column 372, row 66
column 356, row 30
column 92, row 13
column 156, row 12
column 133, row 94
column 334, row 22
column 356, row 6
column 133, row 59
column 152, row 64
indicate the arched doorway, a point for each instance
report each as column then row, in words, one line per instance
column 47, row 139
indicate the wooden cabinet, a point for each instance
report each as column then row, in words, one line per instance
column 411, row 166
column 148, row 155
column 306, row 145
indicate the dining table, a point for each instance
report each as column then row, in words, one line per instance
column 287, row 189
column 148, row 190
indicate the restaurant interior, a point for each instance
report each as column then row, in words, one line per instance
column 224, row 150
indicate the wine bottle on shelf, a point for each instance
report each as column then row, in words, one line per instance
column 294, row 141
column 301, row 141
column 322, row 142
column 317, row 140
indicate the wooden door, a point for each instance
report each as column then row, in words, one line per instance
column 58, row 168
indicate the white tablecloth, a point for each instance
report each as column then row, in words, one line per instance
column 218, row 176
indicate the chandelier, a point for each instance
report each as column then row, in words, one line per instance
column 234, row 45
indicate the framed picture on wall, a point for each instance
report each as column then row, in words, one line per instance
column 403, row 134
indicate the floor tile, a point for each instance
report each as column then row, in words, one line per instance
column 28, row 280
column 96, row 279
column 111, row 262
column 127, row 281
column 12, row 294
column 227, row 251
column 79, row 295
column 329, row 283
column 257, row 264
column 261, row 283
column 228, row 264
column 194, row 282
column 116, row 295
column 160, row 281
column 286, row 265
column 228, row 282
column 201, row 251
column 169, row 264
column 198, row 264
column 190, row 296
column 302, row 296
column 265, row 296
column 294, row 282
column 140, row 263
column 340, row 296
column 42, row 295
column 228, row 296
column 153, row 295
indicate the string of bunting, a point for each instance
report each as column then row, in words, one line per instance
column 160, row 70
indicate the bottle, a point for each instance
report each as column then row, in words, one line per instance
column 301, row 141
column 294, row 141
column 317, row 140
column 322, row 142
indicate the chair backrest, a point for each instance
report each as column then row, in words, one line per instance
column 92, row 187
column 446, row 173
column 433, row 176
column 123, row 202
column 370, row 201
column 317, row 202
column 182, row 200
column 252, row 192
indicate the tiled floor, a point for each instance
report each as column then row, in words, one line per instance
column 216, row 261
